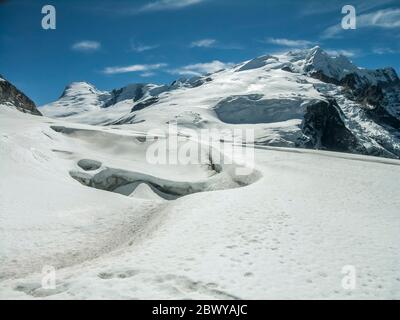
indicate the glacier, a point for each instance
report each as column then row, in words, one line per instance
column 78, row 193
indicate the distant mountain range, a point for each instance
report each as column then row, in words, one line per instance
column 304, row 98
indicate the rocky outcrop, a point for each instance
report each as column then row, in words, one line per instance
column 132, row 92
column 193, row 82
column 376, row 91
column 377, row 95
column 10, row 95
column 201, row 81
column 145, row 103
column 323, row 128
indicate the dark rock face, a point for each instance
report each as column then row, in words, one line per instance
column 323, row 128
column 114, row 98
column 192, row 82
column 381, row 116
column 287, row 69
column 377, row 93
column 200, row 82
column 387, row 106
column 380, row 98
column 134, row 92
column 376, row 98
column 9, row 94
column 324, row 78
column 361, row 91
column 145, row 103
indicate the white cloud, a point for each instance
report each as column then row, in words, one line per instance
column 86, row 46
column 385, row 19
column 289, row 43
column 212, row 43
column 389, row 18
column 332, row 32
column 145, row 68
column 203, row 43
column 168, row 5
column 198, row 69
column 381, row 51
column 141, row 47
column 317, row 7
column 343, row 52
column 147, row 74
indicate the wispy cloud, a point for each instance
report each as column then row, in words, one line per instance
column 381, row 51
column 86, row 46
column 389, row 18
column 213, row 43
column 385, row 19
column 138, row 47
column 203, row 43
column 289, row 42
column 147, row 74
column 144, row 68
column 332, row 32
column 317, row 7
column 131, row 8
column 343, row 52
column 198, row 69
column 168, row 5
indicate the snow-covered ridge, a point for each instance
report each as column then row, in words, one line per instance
column 303, row 62
column 337, row 67
column 77, row 97
column 80, row 88
column 271, row 94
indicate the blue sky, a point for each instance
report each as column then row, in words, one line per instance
column 113, row 43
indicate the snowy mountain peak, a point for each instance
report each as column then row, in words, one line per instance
column 336, row 67
column 76, row 98
column 316, row 61
column 325, row 100
column 316, row 51
column 80, row 87
column 134, row 92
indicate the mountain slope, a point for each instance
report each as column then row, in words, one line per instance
column 87, row 201
column 11, row 97
column 304, row 98
column 284, row 232
column 77, row 97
